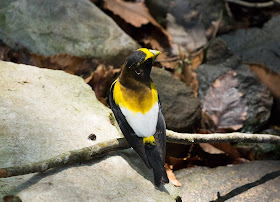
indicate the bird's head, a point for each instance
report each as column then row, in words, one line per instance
column 139, row 64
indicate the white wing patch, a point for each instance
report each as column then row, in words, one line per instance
column 144, row 125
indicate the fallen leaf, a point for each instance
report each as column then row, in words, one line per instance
column 196, row 59
column 188, row 74
column 4, row 51
column 135, row 13
column 268, row 77
column 68, row 63
column 101, row 81
column 189, row 37
column 240, row 161
column 167, row 62
column 224, row 108
column 227, row 148
column 210, row 149
column 171, row 176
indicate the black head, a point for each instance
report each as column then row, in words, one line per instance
column 139, row 64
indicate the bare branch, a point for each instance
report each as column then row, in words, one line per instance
column 187, row 138
column 71, row 157
column 97, row 150
column 254, row 4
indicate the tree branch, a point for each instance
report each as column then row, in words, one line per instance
column 255, row 4
column 71, row 157
column 97, row 150
column 187, row 138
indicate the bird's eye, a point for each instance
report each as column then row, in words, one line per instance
column 138, row 73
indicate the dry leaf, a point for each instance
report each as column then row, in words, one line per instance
column 196, row 59
column 136, row 14
column 188, row 74
column 68, row 63
column 172, row 177
column 189, row 37
column 227, row 148
column 224, row 108
column 4, row 51
column 101, row 81
column 168, row 62
column 210, row 149
column 71, row 64
column 268, row 77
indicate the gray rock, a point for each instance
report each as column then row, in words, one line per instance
column 181, row 109
column 254, row 181
column 44, row 113
column 257, row 97
column 257, row 45
column 74, row 27
column 190, row 12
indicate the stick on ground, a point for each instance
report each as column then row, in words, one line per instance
column 97, row 150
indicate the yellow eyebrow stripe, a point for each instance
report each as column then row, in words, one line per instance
column 148, row 53
column 135, row 101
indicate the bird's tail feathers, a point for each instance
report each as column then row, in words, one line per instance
column 156, row 162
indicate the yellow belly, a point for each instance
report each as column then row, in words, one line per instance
column 141, row 101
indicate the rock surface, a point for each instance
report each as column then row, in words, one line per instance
column 74, row 27
column 254, row 181
column 181, row 109
column 44, row 113
column 257, row 96
column 257, row 45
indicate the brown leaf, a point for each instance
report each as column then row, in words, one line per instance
column 268, row 77
column 101, row 81
column 172, row 177
column 4, row 51
column 227, row 148
column 11, row 198
column 188, row 74
column 196, row 59
column 167, row 62
column 71, row 64
column 210, row 149
column 135, row 13
column 68, row 63
column 224, row 108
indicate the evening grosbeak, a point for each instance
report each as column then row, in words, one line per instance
column 136, row 106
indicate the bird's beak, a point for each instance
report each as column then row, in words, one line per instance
column 155, row 52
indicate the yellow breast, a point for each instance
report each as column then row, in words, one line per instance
column 141, row 101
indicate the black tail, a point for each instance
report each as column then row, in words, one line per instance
column 157, row 163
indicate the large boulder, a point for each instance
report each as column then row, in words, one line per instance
column 231, row 95
column 73, row 27
column 181, row 109
column 44, row 113
column 257, row 45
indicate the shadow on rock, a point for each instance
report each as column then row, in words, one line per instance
column 246, row 187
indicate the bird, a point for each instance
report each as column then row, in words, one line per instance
column 135, row 103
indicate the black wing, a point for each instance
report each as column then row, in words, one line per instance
column 160, row 135
column 135, row 141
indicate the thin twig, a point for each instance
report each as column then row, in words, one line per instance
column 254, row 4
column 97, row 150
